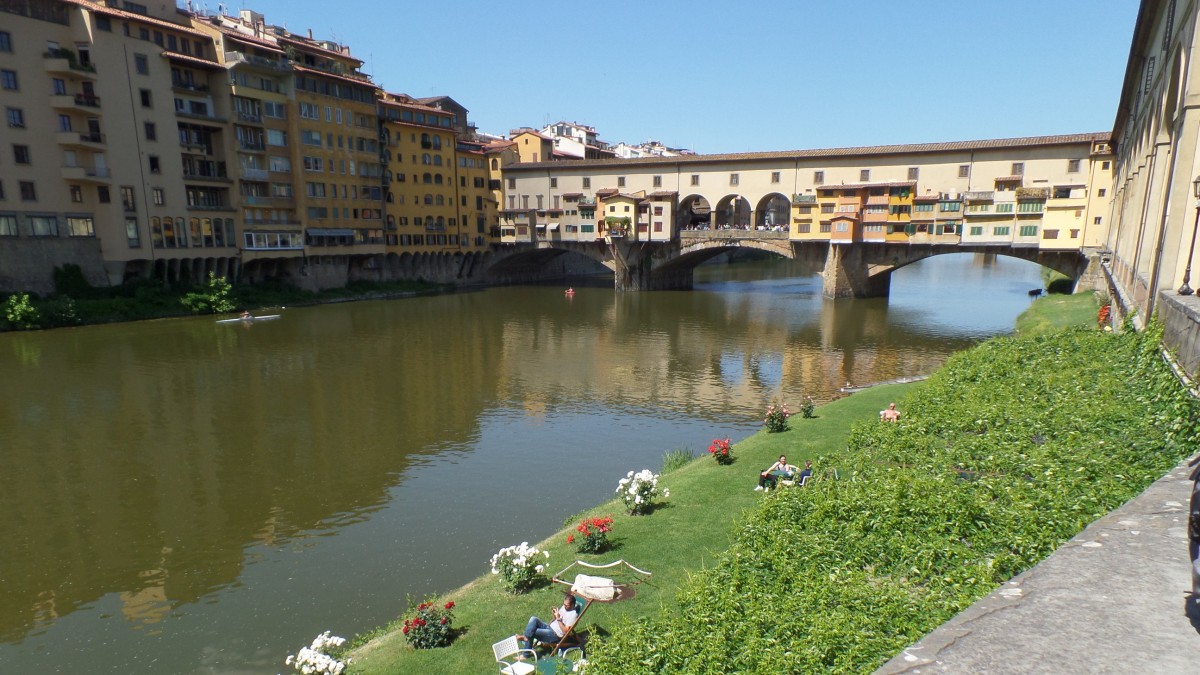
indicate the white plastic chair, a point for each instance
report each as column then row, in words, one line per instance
column 507, row 652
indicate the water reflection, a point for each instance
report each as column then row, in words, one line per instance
column 186, row 496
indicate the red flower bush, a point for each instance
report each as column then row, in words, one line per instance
column 721, row 451
column 593, row 534
column 431, row 627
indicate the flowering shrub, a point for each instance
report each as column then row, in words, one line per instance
column 593, row 534
column 720, row 451
column 431, row 627
column 809, row 408
column 319, row 658
column 777, row 417
column 639, row 491
column 518, row 566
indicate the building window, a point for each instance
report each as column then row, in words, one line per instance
column 155, row 165
column 1018, row 168
column 695, row 179
column 16, row 118
column 657, row 181
column 21, row 154
column 5, row 41
column 43, row 226
column 827, row 208
column 80, row 226
column 8, row 80
column 159, row 198
column 145, row 96
column 864, row 175
column 587, row 183
column 8, row 226
column 620, row 181
column 774, row 176
column 733, row 179
column 913, row 172
column 1096, row 220
column 512, row 183
column 1072, row 166
column 818, row 178
column 151, row 131
column 131, row 232
column 102, row 195
column 127, row 198
column 1028, row 230
column 1000, row 231
column 976, row 230
column 1104, row 166
column 76, row 193
column 141, row 64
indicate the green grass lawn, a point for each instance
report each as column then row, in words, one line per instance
column 1054, row 312
column 680, row 537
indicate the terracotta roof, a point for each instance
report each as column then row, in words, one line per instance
column 863, row 186
column 312, row 44
column 572, row 194
column 1010, row 179
column 194, row 61
column 663, row 193
column 498, row 145
column 927, row 198
column 875, row 150
column 534, row 132
column 100, row 8
column 607, row 192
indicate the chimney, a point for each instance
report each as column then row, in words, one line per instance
column 310, row 34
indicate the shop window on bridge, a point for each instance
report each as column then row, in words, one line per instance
column 1001, row 231
column 804, row 228
column 976, row 230
column 1028, row 231
column 826, row 228
column 1049, row 234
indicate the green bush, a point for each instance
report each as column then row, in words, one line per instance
column 20, row 313
column 212, row 299
column 930, row 514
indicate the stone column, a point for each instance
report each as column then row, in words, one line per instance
column 847, row 274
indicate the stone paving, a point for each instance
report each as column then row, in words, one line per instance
column 1115, row 599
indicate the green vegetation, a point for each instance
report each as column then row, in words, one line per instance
column 684, row 533
column 76, row 302
column 1004, row 454
column 903, row 526
column 1053, row 313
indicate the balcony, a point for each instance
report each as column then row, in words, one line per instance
column 64, row 62
column 74, row 139
column 251, row 146
column 263, row 200
column 249, row 118
column 241, row 59
column 78, row 103
column 587, row 202
column 87, row 174
column 192, row 87
column 205, row 171
column 979, row 195
column 254, row 174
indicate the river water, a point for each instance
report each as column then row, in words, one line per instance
column 183, row 496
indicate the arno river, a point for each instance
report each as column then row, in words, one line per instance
column 187, row 497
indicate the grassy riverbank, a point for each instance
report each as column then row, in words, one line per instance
column 688, row 532
column 1055, row 312
column 927, row 516
column 76, row 303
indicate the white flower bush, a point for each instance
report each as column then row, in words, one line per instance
column 518, row 566
column 316, row 659
column 639, row 490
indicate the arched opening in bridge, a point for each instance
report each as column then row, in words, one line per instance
column 773, row 212
column 695, row 213
column 733, row 213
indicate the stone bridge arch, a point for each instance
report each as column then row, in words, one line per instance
column 732, row 212
column 695, row 213
column 773, row 210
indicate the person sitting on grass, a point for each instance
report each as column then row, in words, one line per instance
column 889, row 415
column 769, row 478
column 540, row 631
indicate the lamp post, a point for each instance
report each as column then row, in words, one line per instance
column 1185, row 289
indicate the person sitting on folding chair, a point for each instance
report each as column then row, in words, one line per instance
column 564, row 618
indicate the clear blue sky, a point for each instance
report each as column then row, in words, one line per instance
column 752, row 76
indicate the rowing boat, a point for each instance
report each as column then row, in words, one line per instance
column 250, row 319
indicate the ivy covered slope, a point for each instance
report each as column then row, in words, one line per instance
column 1007, row 452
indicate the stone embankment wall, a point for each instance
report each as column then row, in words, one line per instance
column 28, row 264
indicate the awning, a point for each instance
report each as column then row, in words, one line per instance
column 541, row 226
column 329, row 232
column 553, row 226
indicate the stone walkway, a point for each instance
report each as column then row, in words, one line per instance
column 1115, row 599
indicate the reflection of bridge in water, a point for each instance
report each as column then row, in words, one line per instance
column 859, row 269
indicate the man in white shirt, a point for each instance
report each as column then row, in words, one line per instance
column 564, row 618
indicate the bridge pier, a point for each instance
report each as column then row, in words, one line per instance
column 847, row 274
column 634, row 267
